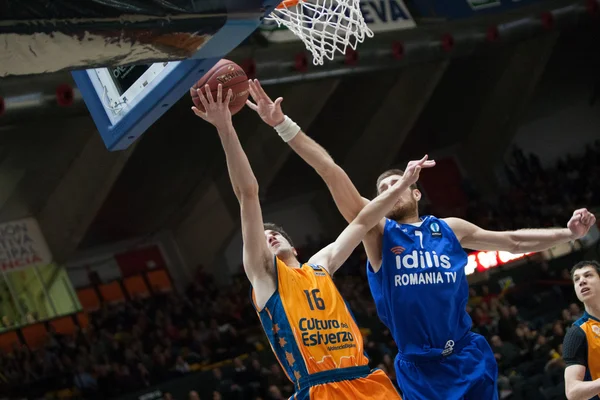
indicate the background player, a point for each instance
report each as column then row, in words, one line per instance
column 416, row 272
column 581, row 345
column 309, row 326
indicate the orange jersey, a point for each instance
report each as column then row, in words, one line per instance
column 316, row 340
column 581, row 346
column 308, row 324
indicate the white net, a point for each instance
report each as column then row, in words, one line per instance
column 325, row 26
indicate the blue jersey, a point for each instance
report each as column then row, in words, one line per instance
column 421, row 290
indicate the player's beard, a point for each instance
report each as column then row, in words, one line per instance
column 403, row 211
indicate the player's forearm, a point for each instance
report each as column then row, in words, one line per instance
column 313, row 154
column 380, row 206
column 583, row 390
column 532, row 240
column 347, row 198
column 366, row 220
column 240, row 173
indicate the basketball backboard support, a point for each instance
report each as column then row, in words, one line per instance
column 125, row 101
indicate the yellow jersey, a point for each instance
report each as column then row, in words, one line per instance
column 308, row 324
column 581, row 346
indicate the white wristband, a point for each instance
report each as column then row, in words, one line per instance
column 288, row 129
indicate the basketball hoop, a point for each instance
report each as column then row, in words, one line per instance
column 325, row 26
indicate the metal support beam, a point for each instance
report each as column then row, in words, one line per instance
column 75, row 201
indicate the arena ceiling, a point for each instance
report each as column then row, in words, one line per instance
column 175, row 178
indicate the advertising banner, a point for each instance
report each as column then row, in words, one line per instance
column 22, row 245
column 465, row 8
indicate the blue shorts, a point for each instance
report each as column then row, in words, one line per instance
column 469, row 373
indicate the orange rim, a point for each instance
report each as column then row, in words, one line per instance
column 288, row 3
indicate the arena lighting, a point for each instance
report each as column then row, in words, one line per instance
column 397, row 50
column 301, row 62
column 447, row 42
column 351, row 57
column 484, row 260
column 492, row 34
column 547, row 20
column 64, row 95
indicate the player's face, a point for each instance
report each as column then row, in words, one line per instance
column 407, row 204
column 587, row 283
column 277, row 243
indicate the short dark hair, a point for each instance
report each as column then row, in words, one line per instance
column 390, row 172
column 269, row 226
column 583, row 264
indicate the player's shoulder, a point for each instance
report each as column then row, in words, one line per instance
column 575, row 346
column 575, row 330
column 575, row 337
column 582, row 320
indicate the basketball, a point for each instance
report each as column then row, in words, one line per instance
column 231, row 76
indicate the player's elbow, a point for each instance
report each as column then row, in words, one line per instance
column 572, row 392
column 571, row 395
column 247, row 190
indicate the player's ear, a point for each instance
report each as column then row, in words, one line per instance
column 416, row 194
column 295, row 252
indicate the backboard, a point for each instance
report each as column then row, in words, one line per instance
column 126, row 100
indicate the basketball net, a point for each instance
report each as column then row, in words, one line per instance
column 325, row 26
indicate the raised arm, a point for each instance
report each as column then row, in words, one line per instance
column 257, row 258
column 524, row 240
column 334, row 255
column 347, row 198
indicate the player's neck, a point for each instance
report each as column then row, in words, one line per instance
column 290, row 261
column 409, row 219
column 593, row 309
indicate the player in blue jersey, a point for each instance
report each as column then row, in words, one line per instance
column 416, row 273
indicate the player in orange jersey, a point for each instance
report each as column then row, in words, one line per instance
column 581, row 345
column 310, row 328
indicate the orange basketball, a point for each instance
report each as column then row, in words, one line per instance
column 231, row 76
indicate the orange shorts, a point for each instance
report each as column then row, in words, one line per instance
column 373, row 386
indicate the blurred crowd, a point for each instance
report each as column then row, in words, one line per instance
column 540, row 197
column 135, row 345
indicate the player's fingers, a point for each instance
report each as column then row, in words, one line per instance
column 251, row 105
column 229, row 96
column 202, row 99
column 219, row 94
column 423, row 160
column 252, row 90
column 199, row 113
column 209, row 95
column 261, row 91
column 428, row 164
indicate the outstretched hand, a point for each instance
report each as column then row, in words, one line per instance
column 216, row 112
column 268, row 110
column 581, row 222
column 413, row 169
